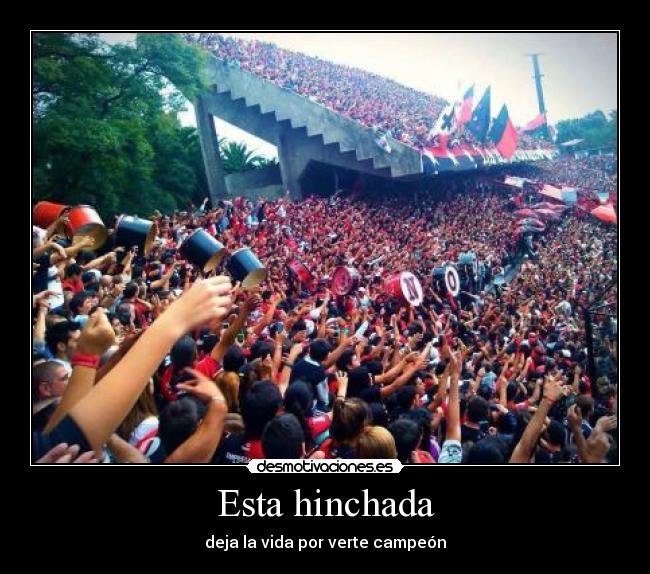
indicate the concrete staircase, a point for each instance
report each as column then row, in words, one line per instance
column 302, row 130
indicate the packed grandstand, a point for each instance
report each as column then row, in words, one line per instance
column 472, row 321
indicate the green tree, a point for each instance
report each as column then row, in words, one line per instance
column 105, row 126
column 596, row 129
column 236, row 157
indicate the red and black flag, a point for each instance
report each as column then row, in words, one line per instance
column 480, row 121
column 465, row 111
column 504, row 134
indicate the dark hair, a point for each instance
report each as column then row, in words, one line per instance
column 406, row 433
column 344, row 360
column 73, row 269
column 60, row 333
column 485, row 392
column 183, row 352
column 130, row 290
column 319, row 349
column 234, row 359
column 423, row 417
column 556, row 433
column 283, row 437
column 209, row 342
column 477, row 409
column 178, row 421
column 77, row 301
column 259, row 406
column 379, row 414
column 403, row 401
column 489, row 450
column 261, row 349
column 358, row 380
column 298, row 399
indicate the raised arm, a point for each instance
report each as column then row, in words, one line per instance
column 202, row 444
column 421, row 363
column 73, row 250
column 164, row 280
column 100, row 412
column 524, row 449
column 344, row 343
column 285, row 375
column 96, row 338
column 228, row 337
column 453, row 406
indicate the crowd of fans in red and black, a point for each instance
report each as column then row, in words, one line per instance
column 370, row 99
column 408, row 115
column 144, row 359
column 598, row 173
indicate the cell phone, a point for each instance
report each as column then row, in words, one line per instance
column 241, row 336
column 226, row 325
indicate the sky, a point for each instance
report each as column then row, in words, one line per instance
column 579, row 70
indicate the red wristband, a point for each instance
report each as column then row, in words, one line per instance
column 90, row 361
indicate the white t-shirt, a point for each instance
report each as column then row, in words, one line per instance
column 146, row 427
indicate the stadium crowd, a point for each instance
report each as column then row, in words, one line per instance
column 596, row 173
column 406, row 114
column 374, row 101
column 142, row 359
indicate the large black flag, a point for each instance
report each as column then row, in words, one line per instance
column 480, row 122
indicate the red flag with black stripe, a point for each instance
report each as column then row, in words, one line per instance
column 465, row 112
column 504, row 134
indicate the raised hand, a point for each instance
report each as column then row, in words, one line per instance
column 207, row 300
column 607, row 423
column 64, row 453
column 201, row 387
column 97, row 335
column 553, row 390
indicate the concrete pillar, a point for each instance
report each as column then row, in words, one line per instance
column 292, row 165
column 210, row 151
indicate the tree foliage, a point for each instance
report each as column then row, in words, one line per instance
column 106, row 130
column 596, row 129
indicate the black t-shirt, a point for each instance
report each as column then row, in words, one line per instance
column 42, row 417
column 236, row 449
column 469, row 434
column 371, row 394
column 40, row 280
column 66, row 431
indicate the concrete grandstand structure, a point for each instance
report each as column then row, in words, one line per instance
column 315, row 143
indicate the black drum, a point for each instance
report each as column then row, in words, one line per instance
column 439, row 273
column 246, row 268
column 134, row 231
column 203, row 250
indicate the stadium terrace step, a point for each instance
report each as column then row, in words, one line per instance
column 304, row 131
column 239, row 96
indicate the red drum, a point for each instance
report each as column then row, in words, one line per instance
column 46, row 213
column 405, row 287
column 300, row 271
column 84, row 221
column 345, row 280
